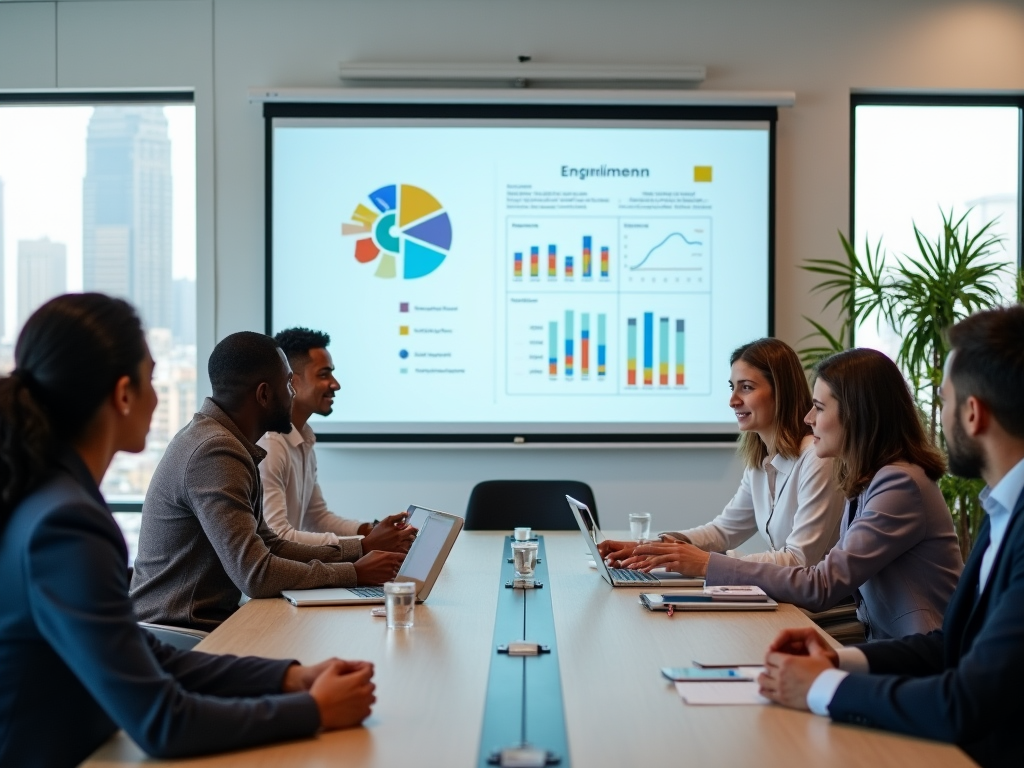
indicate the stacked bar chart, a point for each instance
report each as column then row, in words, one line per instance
column 569, row 354
column 585, row 345
column 642, row 337
column 680, row 352
column 553, row 349
column 569, row 343
column 566, row 266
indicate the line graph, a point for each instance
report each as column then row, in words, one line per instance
column 663, row 244
column 666, row 253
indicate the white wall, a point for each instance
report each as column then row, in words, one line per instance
column 221, row 47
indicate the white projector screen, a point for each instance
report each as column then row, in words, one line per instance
column 484, row 275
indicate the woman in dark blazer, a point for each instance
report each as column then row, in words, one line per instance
column 75, row 665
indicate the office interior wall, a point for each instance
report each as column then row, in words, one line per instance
column 221, row 47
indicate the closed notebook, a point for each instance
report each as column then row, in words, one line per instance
column 698, row 601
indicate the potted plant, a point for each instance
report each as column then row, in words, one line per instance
column 949, row 278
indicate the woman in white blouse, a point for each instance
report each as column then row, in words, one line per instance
column 787, row 494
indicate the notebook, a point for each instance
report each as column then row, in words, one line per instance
column 622, row 577
column 422, row 565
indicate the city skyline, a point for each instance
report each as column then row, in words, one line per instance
column 43, row 167
column 42, row 274
column 92, row 200
column 127, row 210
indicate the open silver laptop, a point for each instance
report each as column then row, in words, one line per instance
column 429, row 550
column 622, row 577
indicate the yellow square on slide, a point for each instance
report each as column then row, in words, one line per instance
column 702, row 173
column 403, row 330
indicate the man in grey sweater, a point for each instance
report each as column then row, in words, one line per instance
column 203, row 541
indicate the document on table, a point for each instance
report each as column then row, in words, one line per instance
column 705, row 693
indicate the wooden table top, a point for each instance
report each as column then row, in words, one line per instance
column 619, row 711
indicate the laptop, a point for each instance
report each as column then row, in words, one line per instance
column 422, row 565
column 622, row 577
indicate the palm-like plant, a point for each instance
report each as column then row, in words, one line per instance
column 947, row 280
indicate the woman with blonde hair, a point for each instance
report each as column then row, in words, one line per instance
column 786, row 494
column 897, row 552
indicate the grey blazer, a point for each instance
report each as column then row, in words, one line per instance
column 898, row 557
column 204, row 542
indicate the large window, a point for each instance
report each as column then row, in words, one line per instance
column 97, row 193
column 914, row 158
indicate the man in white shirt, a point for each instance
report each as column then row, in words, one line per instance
column 962, row 683
column 293, row 505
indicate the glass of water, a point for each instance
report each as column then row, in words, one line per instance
column 524, row 558
column 400, row 603
column 640, row 526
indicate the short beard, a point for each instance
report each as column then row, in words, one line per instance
column 280, row 418
column 965, row 457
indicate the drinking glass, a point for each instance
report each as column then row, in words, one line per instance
column 640, row 526
column 400, row 603
column 524, row 558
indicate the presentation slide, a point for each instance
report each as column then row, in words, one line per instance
column 583, row 277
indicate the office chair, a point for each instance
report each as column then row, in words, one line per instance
column 501, row 505
column 176, row 637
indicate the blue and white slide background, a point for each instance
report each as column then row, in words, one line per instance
column 478, row 344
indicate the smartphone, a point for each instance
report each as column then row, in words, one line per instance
column 696, row 674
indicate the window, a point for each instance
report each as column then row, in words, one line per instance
column 98, row 193
column 913, row 157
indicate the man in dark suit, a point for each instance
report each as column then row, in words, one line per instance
column 962, row 683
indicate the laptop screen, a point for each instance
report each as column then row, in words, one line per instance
column 426, row 547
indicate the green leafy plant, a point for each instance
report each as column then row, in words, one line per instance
column 949, row 278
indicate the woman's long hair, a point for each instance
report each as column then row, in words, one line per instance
column 780, row 365
column 880, row 422
column 69, row 356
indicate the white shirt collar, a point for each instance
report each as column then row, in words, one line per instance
column 297, row 437
column 1006, row 491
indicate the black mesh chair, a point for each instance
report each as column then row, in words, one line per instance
column 501, row 505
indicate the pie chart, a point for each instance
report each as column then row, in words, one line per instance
column 403, row 229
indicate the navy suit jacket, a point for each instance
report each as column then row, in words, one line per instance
column 963, row 683
column 75, row 666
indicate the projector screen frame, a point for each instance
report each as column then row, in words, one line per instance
column 496, row 110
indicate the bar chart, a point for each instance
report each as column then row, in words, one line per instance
column 562, row 265
column 643, row 367
column 575, row 361
column 552, row 253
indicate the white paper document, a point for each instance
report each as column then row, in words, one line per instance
column 716, row 694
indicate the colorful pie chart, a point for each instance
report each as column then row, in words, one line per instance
column 401, row 228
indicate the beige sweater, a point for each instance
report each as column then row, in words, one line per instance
column 204, row 541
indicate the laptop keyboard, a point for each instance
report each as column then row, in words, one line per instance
column 624, row 574
column 367, row 591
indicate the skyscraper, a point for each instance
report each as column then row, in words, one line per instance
column 126, row 216
column 42, row 274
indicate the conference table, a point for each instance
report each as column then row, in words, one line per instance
column 618, row 710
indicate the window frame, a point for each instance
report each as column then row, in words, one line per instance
column 867, row 98
column 89, row 97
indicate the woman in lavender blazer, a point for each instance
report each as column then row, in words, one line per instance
column 897, row 552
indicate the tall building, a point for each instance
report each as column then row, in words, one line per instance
column 184, row 326
column 3, row 267
column 42, row 274
column 126, row 210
